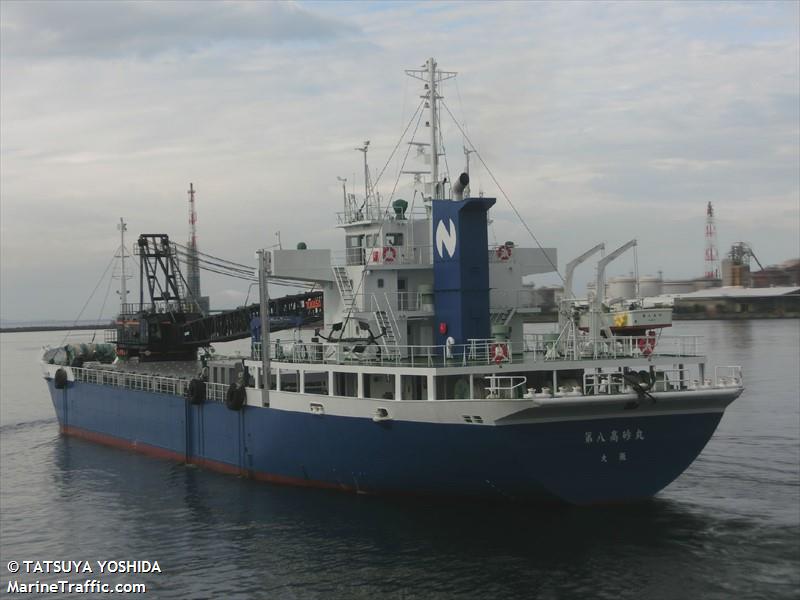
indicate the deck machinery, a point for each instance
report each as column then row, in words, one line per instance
column 172, row 326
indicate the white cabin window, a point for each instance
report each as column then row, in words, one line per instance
column 394, row 239
column 355, row 241
column 316, row 382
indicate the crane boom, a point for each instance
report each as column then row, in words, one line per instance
column 596, row 322
column 600, row 290
column 573, row 264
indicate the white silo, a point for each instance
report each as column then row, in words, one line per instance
column 621, row 287
column 650, row 286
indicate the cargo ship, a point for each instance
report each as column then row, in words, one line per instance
column 407, row 370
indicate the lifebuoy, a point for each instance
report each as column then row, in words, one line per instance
column 647, row 344
column 376, row 255
column 389, row 254
column 60, row 379
column 503, row 252
column 498, row 352
column 235, row 397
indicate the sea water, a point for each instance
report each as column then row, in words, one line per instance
column 727, row 528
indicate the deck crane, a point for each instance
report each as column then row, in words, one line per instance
column 573, row 264
column 564, row 315
column 171, row 325
column 600, row 289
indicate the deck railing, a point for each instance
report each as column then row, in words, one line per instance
column 476, row 352
column 175, row 386
column 406, row 254
column 550, row 347
column 131, row 381
column 539, row 347
column 666, row 380
column 521, row 298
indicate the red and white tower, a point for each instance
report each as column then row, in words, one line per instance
column 712, row 270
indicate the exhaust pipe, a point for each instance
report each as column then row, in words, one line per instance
column 459, row 185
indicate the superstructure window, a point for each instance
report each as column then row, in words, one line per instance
column 316, row 383
column 354, row 241
column 394, row 239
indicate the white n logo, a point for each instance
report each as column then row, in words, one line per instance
column 447, row 238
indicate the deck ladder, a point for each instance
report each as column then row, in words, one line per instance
column 386, row 319
column 345, row 288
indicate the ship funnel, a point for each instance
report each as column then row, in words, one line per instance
column 459, row 185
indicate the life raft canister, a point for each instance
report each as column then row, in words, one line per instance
column 389, row 254
column 498, row 353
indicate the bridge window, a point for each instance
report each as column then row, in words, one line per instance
column 355, row 250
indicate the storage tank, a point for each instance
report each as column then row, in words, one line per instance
column 677, row 286
column 702, row 283
column 649, row 286
column 621, row 287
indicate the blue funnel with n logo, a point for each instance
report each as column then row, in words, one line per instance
column 461, row 269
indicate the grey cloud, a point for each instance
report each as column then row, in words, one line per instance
column 114, row 29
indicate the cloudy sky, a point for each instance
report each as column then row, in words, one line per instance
column 601, row 121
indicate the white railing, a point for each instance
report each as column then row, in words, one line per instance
column 408, row 301
column 506, row 388
column 383, row 255
column 523, row 298
column 215, row 392
column 666, row 380
column 548, row 347
column 476, row 352
column 728, row 376
column 131, row 381
column 365, row 213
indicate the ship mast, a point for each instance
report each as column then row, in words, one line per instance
column 434, row 123
column 364, row 149
column 432, row 77
column 123, row 283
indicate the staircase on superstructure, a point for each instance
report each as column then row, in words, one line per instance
column 345, row 287
column 387, row 322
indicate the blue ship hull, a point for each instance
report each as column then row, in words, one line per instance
column 581, row 462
